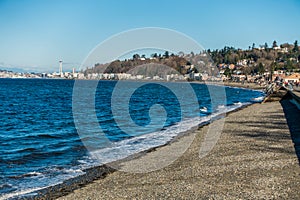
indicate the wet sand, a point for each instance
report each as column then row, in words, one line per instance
column 253, row 158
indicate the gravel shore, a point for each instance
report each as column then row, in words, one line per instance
column 254, row 158
column 253, row 86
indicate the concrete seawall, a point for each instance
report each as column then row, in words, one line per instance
column 295, row 98
column 291, row 108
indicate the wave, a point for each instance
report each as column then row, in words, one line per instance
column 62, row 174
column 5, row 185
column 22, row 193
column 30, row 174
column 118, row 150
column 243, row 88
column 122, row 149
column 258, row 99
column 23, row 150
column 46, row 136
column 38, row 136
column 238, row 103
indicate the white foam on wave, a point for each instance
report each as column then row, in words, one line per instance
column 220, row 108
column 238, row 103
column 125, row 148
column 64, row 174
column 258, row 99
column 21, row 193
column 5, row 185
column 122, row 149
column 33, row 174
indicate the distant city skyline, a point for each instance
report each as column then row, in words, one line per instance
column 35, row 34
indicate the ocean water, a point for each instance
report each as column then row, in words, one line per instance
column 42, row 142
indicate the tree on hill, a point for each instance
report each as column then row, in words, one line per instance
column 289, row 66
column 227, row 72
column 273, row 66
column 154, row 55
column 136, row 56
column 166, row 55
column 266, row 45
column 274, row 44
column 258, row 60
column 296, row 48
column 260, row 68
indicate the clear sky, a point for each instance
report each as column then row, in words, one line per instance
column 36, row 34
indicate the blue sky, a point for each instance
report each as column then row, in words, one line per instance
column 36, row 34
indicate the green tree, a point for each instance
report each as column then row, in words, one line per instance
column 136, row 56
column 227, row 72
column 296, row 48
column 260, row 68
column 273, row 66
column 274, row 44
column 154, row 55
column 166, row 55
column 266, row 46
column 289, row 66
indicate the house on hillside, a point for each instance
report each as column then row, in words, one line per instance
column 294, row 78
column 277, row 48
column 242, row 62
column 286, row 47
column 279, row 72
column 231, row 66
column 278, row 75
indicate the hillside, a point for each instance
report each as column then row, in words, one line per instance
column 254, row 60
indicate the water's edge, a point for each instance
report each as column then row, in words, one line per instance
column 55, row 180
column 98, row 172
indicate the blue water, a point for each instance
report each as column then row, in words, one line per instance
column 39, row 143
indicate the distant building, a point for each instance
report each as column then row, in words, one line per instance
column 242, row 62
column 277, row 48
column 286, row 47
column 238, row 77
column 294, row 78
column 231, row 66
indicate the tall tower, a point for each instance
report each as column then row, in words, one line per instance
column 60, row 69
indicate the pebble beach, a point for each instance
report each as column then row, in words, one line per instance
column 254, row 158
